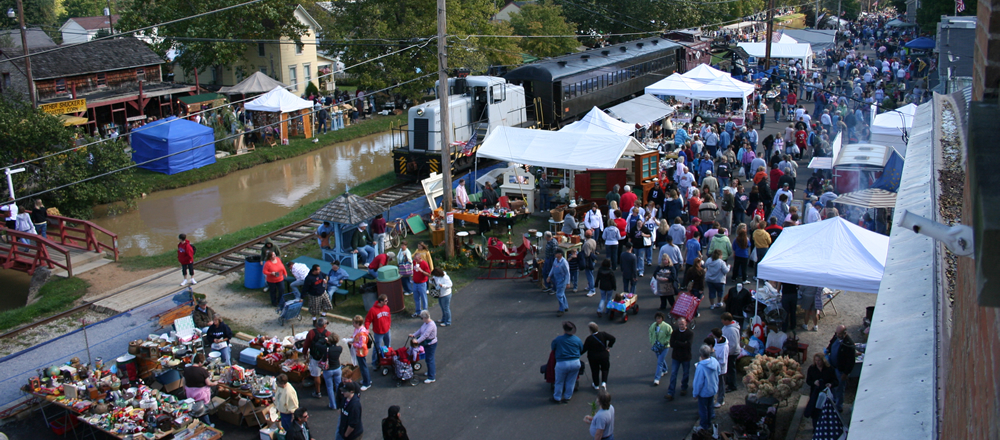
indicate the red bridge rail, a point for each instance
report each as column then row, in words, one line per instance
column 37, row 252
column 81, row 234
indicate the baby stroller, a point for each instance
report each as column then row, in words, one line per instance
column 289, row 308
column 404, row 363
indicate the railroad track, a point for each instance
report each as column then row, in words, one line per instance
column 232, row 259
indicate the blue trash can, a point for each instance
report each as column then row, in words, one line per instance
column 253, row 273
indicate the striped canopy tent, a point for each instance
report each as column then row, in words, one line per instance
column 868, row 198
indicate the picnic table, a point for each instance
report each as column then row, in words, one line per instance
column 353, row 275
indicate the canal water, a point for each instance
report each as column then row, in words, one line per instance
column 246, row 198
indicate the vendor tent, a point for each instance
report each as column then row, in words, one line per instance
column 675, row 85
column 557, row 149
column 598, row 122
column 795, row 51
column 819, row 39
column 704, row 73
column 899, row 23
column 920, row 43
column 176, row 138
column 643, row 110
column 888, row 127
column 259, row 82
column 278, row 100
column 833, row 253
column 868, row 198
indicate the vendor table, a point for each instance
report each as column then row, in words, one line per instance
column 353, row 275
column 70, row 417
column 566, row 247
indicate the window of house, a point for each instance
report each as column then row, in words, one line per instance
column 298, row 48
column 292, row 77
column 140, row 74
column 260, row 50
column 102, row 79
column 263, row 69
column 306, row 72
column 6, row 80
column 60, row 85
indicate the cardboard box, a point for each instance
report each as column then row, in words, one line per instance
column 173, row 386
column 269, row 367
column 229, row 415
column 268, row 433
column 214, row 406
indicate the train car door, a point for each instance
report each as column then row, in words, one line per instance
column 480, row 103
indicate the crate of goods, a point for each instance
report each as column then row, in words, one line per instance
column 249, row 356
column 266, row 364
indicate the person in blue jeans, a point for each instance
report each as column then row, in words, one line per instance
column 558, row 276
column 607, row 283
column 611, row 236
column 629, row 266
column 680, row 342
column 551, row 245
column 659, row 341
column 568, row 348
column 444, row 284
column 427, row 337
column 332, row 374
column 706, row 385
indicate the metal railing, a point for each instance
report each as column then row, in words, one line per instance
column 81, row 234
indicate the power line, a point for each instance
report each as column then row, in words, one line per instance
column 203, row 14
column 231, row 103
column 192, row 148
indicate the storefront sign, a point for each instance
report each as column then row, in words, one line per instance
column 136, row 118
column 64, row 107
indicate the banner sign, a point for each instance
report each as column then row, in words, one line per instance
column 64, row 107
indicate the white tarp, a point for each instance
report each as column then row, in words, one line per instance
column 721, row 87
column 833, row 253
column 675, row 85
column 556, row 149
column 278, row 100
column 887, row 128
column 795, row 51
column 256, row 83
column 598, row 122
column 787, row 39
column 863, row 155
column 704, row 73
column 643, row 110
column 819, row 39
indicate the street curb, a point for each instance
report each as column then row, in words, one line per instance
column 793, row 429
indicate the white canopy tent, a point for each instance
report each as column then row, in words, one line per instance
column 278, row 100
column 794, row 51
column 256, row 83
column 704, row 73
column 675, row 85
column 598, row 122
column 643, row 110
column 887, row 128
column 557, row 149
column 833, row 253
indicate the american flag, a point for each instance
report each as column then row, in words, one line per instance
column 467, row 146
column 959, row 5
column 829, row 425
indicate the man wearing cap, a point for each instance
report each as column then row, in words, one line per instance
column 203, row 315
column 361, row 244
column 325, row 227
column 379, row 261
column 812, row 211
column 786, row 190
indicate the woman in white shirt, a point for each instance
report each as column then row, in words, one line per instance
column 444, row 284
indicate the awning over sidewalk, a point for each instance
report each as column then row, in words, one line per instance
column 557, row 149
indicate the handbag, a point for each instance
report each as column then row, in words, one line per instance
column 406, row 269
column 658, row 347
column 753, row 255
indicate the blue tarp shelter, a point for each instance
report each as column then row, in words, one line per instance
column 921, row 43
column 169, row 136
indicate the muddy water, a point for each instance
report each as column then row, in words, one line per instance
column 246, row 198
column 15, row 289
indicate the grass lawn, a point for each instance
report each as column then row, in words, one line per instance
column 792, row 21
column 719, row 57
column 219, row 244
column 56, row 296
column 153, row 181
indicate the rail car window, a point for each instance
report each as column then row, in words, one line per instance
column 600, row 81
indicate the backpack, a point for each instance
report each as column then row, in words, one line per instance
column 319, row 348
column 194, row 250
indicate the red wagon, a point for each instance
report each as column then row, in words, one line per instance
column 686, row 307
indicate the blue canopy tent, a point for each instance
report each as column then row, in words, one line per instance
column 920, row 43
column 169, row 136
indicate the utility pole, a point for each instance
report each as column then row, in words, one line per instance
column 838, row 14
column 443, row 90
column 27, row 60
column 770, row 32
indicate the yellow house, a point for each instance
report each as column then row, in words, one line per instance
column 290, row 63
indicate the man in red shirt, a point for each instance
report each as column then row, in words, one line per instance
column 379, row 261
column 185, row 256
column 274, row 274
column 380, row 320
column 421, row 273
column 790, row 108
column 628, row 199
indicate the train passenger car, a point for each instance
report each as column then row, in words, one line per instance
column 563, row 88
column 476, row 105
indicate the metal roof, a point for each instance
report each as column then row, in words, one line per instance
column 553, row 69
column 870, row 155
column 897, row 389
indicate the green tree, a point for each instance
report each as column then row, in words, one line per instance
column 30, row 133
column 36, row 12
column 81, row 8
column 544, row 19
column 268, row 20
column 373, row 28
column 930, row 12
